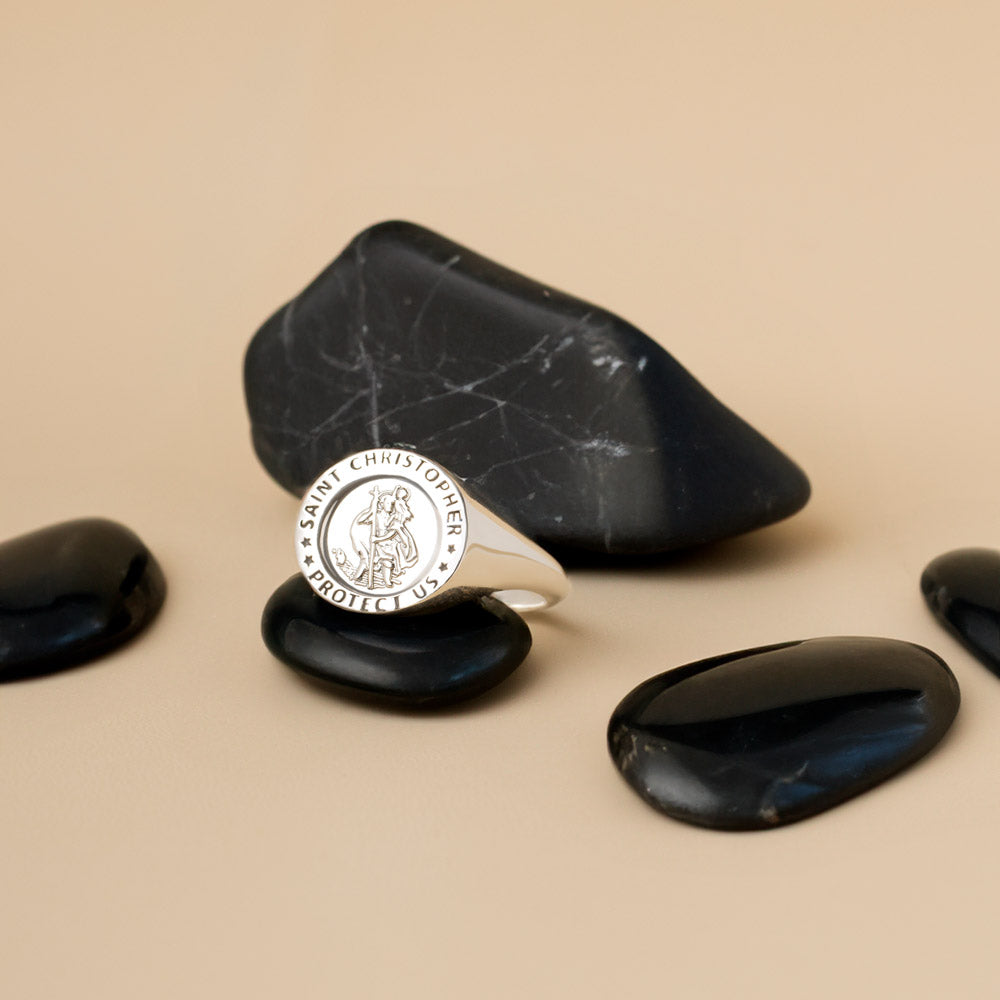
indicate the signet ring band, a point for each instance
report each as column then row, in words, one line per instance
column 387, row 530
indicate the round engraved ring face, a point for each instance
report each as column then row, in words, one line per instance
column 381, row 531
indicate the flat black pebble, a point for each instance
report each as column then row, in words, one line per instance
column 71, row 592
column 764, row 737
column 963, row 590
column 418, row 660
column 570, row 422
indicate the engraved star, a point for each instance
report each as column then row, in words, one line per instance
column 443, row 567
column 306, row 542
column 451, row 548
column 309, row 560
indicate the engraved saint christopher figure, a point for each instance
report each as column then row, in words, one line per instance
column 384, row 545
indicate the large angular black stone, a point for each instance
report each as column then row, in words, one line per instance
column 413, row 660
column 963, row 590
column 764, row 737
column 575, row 425
column 71, row 592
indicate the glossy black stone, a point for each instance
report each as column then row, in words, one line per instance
column 416, row 660
column 765, row 737
column 962, row 588
column 576, row 426
column 71, row 592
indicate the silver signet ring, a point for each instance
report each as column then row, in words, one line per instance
column 388, row 530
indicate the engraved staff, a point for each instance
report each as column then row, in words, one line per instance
column 371, row 543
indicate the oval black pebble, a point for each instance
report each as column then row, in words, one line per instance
column 419, row 660
column 963, row 590
column 71, row 592
column 764, row 737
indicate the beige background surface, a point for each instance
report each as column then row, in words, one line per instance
column 799, row 201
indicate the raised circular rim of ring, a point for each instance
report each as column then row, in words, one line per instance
column 382, row 530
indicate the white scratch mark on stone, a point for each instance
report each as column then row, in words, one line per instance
column 367, row 361
column 432, row 291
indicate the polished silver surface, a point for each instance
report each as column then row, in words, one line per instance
column 387, row 530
